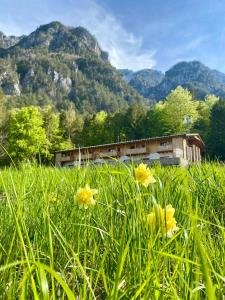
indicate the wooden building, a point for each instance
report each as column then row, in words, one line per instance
column 181, row 149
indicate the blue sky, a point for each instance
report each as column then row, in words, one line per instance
column 137, row 33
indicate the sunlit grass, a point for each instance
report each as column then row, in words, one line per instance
column 52, row 248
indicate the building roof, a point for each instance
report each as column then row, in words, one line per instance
column 190, row 136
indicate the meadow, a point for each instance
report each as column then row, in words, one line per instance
column 51, row 248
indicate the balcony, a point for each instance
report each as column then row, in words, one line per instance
column 135, row 151
column 65, row 158
column 112, row 153
column 165, row 148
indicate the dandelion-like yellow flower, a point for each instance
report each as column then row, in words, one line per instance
column 163, row 219
column 84, row 196
column 144, row 175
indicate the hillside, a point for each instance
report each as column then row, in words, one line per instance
column 142, row 80
column 60, row 62
column 193, row 75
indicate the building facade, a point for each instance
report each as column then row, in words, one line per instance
column 182, row 149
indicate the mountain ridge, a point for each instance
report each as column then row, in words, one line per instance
column 193, row 75
column 63, row 62
column 67, row 63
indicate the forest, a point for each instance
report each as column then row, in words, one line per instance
column 34, row 132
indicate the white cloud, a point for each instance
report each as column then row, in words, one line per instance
column 125, row 49
column 186, row 48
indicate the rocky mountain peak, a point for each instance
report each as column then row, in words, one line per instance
column 192, row 75
column 63, row 64
column 142, row 80
column 56, row 37
column 8, row 41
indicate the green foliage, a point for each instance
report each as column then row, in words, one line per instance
column 57, row 63
column 51, row 249
column 72, row 122
column 180, row 111
column 155, row 121
column 52, row 128
column 216, row 140
column 202, row 124
column 26, row 135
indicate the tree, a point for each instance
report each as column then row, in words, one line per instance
column 3, row 117
column 134, row 126
column 53, row 131
column 95, row 129
column 26, row 135
column 72, row 122
column 155, row 121
column 216, row 140
column 180, row 111
column 204, row 108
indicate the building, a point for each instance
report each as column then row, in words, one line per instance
column 181, row 149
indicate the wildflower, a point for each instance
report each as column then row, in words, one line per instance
column 144, row 175
column 53, row 198
column 163, row 219
column 84, row 196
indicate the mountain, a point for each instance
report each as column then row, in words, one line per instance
column 8, row 41
column 142, row 80
column 63, row 63
column 195, row 76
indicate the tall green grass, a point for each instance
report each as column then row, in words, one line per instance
column 52, row 249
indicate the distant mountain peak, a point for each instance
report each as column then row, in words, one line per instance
column 142, row 80
column 63, row 64
column 192, row 75
column 56, row 37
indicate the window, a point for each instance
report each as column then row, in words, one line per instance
column 132, row 147
column 65, row 154
column 164, row 144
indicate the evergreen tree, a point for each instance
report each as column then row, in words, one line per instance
column 216, row 140
column 202, row 124
column 155, row 121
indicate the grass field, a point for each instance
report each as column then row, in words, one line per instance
column 50, row 248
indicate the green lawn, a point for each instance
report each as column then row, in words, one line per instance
column 50, row 248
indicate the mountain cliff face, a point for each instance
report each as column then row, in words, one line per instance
column 62, row 62
column 142, row 80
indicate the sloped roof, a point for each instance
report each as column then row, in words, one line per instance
column 189, row 136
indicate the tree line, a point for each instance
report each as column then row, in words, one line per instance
column 34, row 132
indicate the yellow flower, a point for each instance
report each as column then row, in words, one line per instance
column 163, row 219
column 53, row 198
column 84, row 196
column 144, row 175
